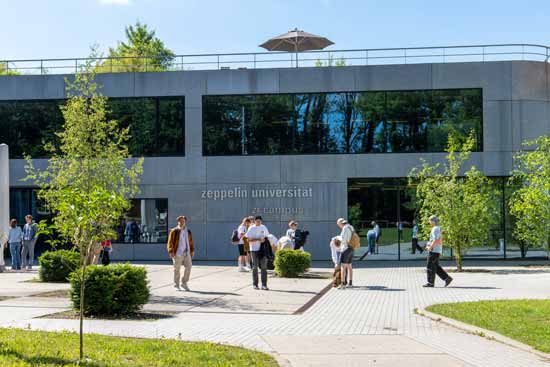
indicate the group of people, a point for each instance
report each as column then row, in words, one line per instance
column 256, row 246
column 21, row 243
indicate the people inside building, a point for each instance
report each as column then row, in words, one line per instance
column 15, row 238
column 132, row 231
column 257, row 235
column 242, row 259
column 371, row 241
column 181, row 249
column 435, row 249
column 414, row 240
column 30, row 234
column 378, row 231
column 346, row 258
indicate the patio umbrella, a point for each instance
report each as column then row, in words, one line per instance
column 296, row 41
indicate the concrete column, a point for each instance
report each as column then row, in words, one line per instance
column 4, row 198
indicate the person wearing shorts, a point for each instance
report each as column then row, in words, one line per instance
column 242, row 260
column 346, row 258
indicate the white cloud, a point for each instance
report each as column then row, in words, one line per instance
column 114, row 2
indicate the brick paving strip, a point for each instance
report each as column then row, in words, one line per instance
column 372, row 324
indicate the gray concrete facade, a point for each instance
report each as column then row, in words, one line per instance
column 516, row 106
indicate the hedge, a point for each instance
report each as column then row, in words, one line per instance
column 291, row 263
column 56, row 266
column 112, row 290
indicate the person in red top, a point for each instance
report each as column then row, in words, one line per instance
column 105, row 250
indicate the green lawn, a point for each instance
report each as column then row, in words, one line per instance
column 22, row 348
column 527, row 321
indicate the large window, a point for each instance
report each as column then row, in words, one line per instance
column 145, row 222
column 156, row 125
column 358, row 122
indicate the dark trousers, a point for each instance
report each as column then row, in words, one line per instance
column 416, row 246
column 105, row 259
column 259, row 261
column 434, row 268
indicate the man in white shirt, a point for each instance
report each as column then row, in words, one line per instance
column 257, row 234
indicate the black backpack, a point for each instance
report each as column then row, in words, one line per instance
column 235, row 237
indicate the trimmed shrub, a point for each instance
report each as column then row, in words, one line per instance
column 291, row 263
column 56, row 266
column 112, row 290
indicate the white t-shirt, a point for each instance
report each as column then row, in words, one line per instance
column 241, row 232
column 256, row 232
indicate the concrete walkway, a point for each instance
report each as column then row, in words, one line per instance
column 373, row 324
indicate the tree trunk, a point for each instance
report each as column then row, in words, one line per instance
column 85, row 253
column 458, row 258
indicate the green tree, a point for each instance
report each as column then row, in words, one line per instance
column 141, row 51
column 88, row 181
column 463, row 202
column 4, row 69
column 530, row 203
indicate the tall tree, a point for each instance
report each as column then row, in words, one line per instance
column 462, row 201
column 141, row 51
column 88, row 180
column 530, row 203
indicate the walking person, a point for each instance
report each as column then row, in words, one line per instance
column 106, row 249
column 435, row 248
column 30, row 234
column 414, row 239
column 347, row 251
column 242, row 260
column 257, row 235
column 181, row 249
column 15, row 237
column 378, row 231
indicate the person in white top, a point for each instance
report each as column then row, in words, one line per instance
column 241, row 232
column 257, row 234
column 346, row 257
column 335, row 253
column 291, row 232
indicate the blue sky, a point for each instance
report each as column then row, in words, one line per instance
column 67, row 28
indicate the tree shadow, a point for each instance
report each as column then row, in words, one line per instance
column 378, row 288
column 47, row 360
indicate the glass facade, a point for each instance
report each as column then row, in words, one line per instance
column 156, row 125
column 145, row 222
column 349, row 122
column 390, row 202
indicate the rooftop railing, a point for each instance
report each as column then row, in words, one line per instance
column 259, row 60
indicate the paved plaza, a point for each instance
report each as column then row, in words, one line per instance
column 373, row 324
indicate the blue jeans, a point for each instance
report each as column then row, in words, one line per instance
column 372, row 244
column 15, row 251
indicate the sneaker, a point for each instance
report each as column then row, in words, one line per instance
column 428, row 285
column 264, row 288
column 177, row 287
column 342, row 286
column 242, row 269
column 448, row 281
column 256, row 287
column 350, row 285
column 247, row 268
column 184, row 286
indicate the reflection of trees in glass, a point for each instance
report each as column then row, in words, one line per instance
column 348, row 122
column 156, row 125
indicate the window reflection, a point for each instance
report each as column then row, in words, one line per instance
column 351, row 122
column 145, row 222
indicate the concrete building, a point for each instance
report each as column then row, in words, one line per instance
column 217, row 178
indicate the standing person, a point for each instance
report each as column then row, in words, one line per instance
column 414, row 239
column 435, row 248
column 106, row 249
column 181, row 249
column 376, row 228
column 243, row 253
column 15, row 237
column 371, row 241
column 335, row 253
column 291, row 232
column 257, row 234
column 347, row 253
column 30, row 233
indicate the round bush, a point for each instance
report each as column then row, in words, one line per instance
column 56, row 266
column 111, row 290
column 291, row 263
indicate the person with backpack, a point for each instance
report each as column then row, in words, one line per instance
column 238, row 239
column 349, row 242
